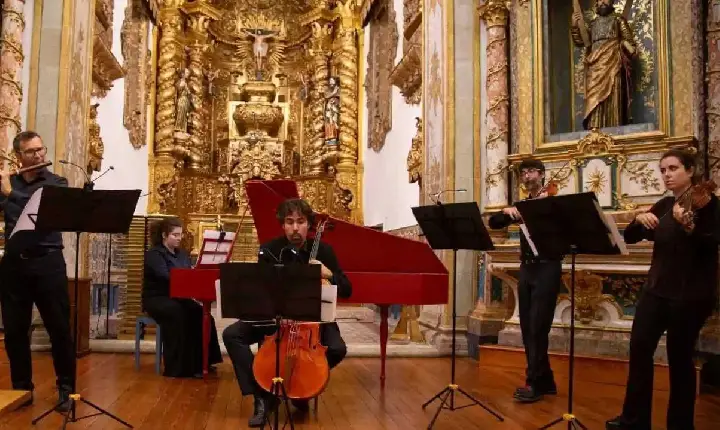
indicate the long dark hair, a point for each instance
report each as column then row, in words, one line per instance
column 163, row 227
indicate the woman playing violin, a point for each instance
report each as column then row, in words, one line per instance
column 680, row 294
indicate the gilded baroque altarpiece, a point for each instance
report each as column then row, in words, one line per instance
column 619, row 164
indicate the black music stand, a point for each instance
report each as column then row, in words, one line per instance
column 263, row 292
column 570, row 224
column 454, row 226
column 78, row 211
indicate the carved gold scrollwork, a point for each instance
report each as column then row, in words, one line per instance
column 588, row 295
column 407, row 74
column 170, row 60
column 134, row 46
column 381, row 57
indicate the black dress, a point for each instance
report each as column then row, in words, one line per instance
column 180, row 319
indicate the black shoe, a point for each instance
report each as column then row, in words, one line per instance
column 63, row 400
column 259, row 412
column 301, row 405
column 615, row 424
column 527, row 395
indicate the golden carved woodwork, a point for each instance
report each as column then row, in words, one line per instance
column 95, row 142
column 135, row 51
column 105, row 67
column 378, row 87
column 407, row 74
column 588, row 295
column 495, row 12
column 416, row 155
column 259, row 73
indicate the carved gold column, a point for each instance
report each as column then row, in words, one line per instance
column 345, row 60
column 11, row 53
column 163, row 177
column 200, row 15
column 320, row 22
column 495, row 15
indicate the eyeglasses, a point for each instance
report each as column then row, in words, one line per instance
column 524, row 172
column 30, row 152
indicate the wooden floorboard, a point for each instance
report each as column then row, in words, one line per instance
column 352, row 401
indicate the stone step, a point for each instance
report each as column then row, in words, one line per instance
column 606, row 370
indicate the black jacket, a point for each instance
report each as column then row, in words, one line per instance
column 501, row 220
column 158, row 262
column 684, row 265
column 280, row 250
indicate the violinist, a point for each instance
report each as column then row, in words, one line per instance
column 680, row 294
column 538, row 288
column 296, row 217
column 180, row 319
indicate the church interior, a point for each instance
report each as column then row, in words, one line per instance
column 213, row 112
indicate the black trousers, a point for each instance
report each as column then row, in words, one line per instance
column 538, row 288
column 240, row 335
column 42, row 281
column 181, row 324
column 683, row 321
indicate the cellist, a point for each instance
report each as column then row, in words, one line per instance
column 296, row 217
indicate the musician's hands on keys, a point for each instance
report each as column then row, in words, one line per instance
column 648, row 220
column 5, row 185
column 324, row 271
column 513, row 213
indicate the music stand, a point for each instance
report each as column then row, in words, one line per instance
column 454, row 226
column 262, row 292
column 78, row 211
column 570, row 224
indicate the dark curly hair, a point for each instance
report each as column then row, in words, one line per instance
column 294, row 205
column 686, row 158
column 161, row 227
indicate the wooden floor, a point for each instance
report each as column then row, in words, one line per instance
column 353, row 399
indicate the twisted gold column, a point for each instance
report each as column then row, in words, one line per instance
column 11, row 52
column 170, row 61
column 320, row 51
column 346, row 65
column 200, row 15
column 495, row 14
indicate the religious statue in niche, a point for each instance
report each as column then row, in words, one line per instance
column 609, row 47
column 183, row 102
column 332, row 112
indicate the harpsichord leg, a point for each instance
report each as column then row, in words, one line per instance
column 383, row 342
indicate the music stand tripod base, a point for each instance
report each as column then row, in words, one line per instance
column 573, row 422
column 279, row 395
column 70, row 414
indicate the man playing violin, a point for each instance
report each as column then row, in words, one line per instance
column 296, row 217
column 680, row 294
column 538, row 288
column 33, row 271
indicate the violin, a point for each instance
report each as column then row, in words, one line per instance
column 303, row 365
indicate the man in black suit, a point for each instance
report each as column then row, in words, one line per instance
column 296, row 217
column 33, row 271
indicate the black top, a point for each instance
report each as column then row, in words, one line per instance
column 501, row 220
column 14, row 204
column 684, row 265
column 279, row 250
column 158, row 262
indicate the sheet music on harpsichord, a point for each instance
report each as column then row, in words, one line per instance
column 216, row 247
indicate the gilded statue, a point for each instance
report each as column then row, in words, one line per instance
column 609, row 47
column 332, row 112
column 416, row 155
column 183, row 105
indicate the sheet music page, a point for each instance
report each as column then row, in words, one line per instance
column 328, row 307
column 526, row 233
column 214, row 234
column 613, row 232
column 213, row 259
column 218, row 305
column 25, row 223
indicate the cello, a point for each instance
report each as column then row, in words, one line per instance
column 304, row 369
